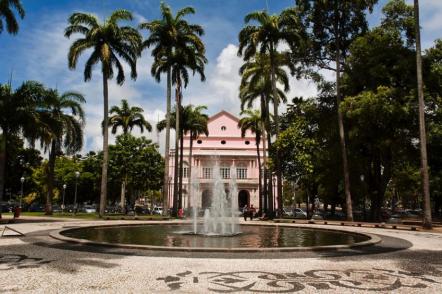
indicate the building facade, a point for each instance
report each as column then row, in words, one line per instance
column 231, row 152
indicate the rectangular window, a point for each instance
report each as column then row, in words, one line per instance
column 224, row 172
column 185, row 172
column 207, row 172
column 241, row 173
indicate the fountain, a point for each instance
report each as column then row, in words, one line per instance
column 194, row 191
column 221, row 219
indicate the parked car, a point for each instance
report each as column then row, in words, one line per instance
column 5, row 206
column 89, row 209
column 287, row 212
column 317, row 216
column 142, row 209
column 158, row 210
column 337, row 215
column 112, row 209
column 299, row 213
column 69, row 208
column 56, row 208
column 36, row 207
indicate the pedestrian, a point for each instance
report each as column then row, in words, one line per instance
column 245, row 211
column 252, row 212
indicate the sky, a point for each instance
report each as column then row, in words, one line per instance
column 39, row 52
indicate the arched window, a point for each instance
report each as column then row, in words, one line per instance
column 223, row 128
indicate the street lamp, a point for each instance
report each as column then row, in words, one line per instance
column 362, row 177
column 64, row 193
column 169, row 197
column 274, row 193
column 22, row 180
column 77, row 174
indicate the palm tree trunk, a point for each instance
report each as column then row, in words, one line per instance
column 3, row 145
column 180, row 202
column 259, row 174
column 264, row 125
column 189, row 174
column 177, row 137
column 51, row 168
column 123, row 194
column 276, row 118
column 427, row 222
column 270, row 178
column 167, row 147
column 103, row 192
column 348, row 199
column 264, row 171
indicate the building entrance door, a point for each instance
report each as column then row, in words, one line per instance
column 243, row 198
column 206, row 200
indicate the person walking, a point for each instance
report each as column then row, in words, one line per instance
column 245, row 211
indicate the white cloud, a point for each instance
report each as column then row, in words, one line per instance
column 221, row 91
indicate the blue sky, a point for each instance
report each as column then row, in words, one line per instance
column 39, row 52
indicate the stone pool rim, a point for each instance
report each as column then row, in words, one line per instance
column 373, row 240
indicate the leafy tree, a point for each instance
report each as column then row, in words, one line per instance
column 21, row 163
column 177, row 48
column 61, row 127
column 109, row 41
column 333, row 25
column 433, row 77
column 7, row 15
column 143, row 165
column 127, row 117
column 18, row 115
column 378, row 121
column 269, row 32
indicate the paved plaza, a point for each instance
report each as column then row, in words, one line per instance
column 403, row 262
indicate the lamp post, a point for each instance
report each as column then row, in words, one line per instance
column 169, row 192
column 362, row 177
column 64, row 193
column 274, row 193
column 22, row 180
column 77, row 174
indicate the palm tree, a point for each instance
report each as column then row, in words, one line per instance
column 265, row 37
column 60, row 126
column 252, row 121
column 427, row 223
column 6, row 13
column 17, row 115
column 256, row 84
column 194, row 122
column 127, row 118
column 109, row 42
column 177, row 46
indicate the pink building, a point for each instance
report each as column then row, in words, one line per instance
column 234, row 154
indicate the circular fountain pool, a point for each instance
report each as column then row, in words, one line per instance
column 253, row 237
